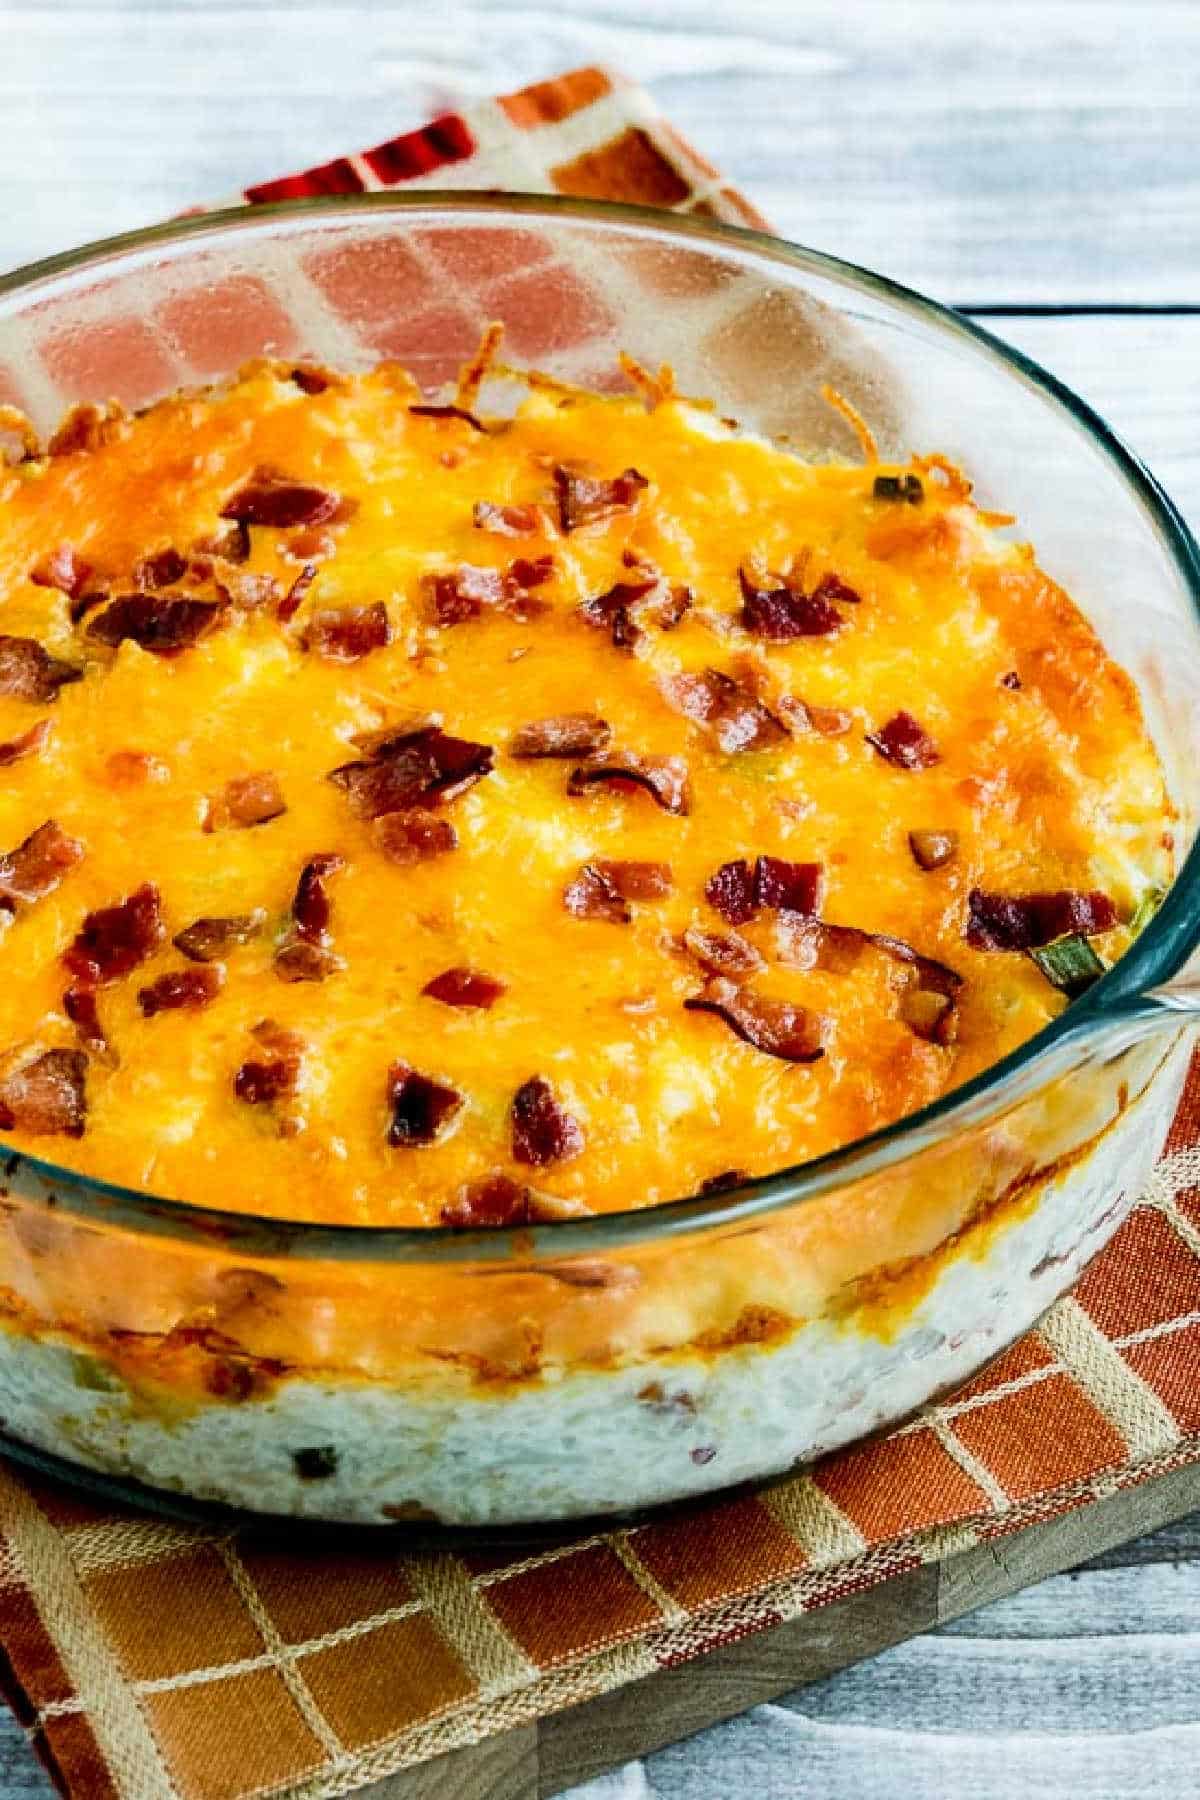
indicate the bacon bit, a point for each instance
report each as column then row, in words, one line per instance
column 563, row 734
column 584, row 501
column 413, row 837
column 524, row 573
column 677, row 603
column 206, row 939
column 277, row 501
column 420, row 1107
column 465, row 987
column 245, row 591
column 663, row 777
column 311, row 907
column 738, row 893
column 289, row 605
column 542, row 1131
column 297, row 960
column 637, row 880
column 1011, row 681
column 855, row 420
column 30, row 743
column 455, row 595
column 263, row 1083
column 62, row 569
column 731, row 891
column 448, row 412
column 311, row 378
column 506, row 521
column 498, row 1201
column 721, row 1184
column 904, row 743
column 593, row 895
column 1027, row 921
column 413, row 769
column 246, row 801
column 46, row 1096
column 163, row 624
column 347, row 633
column 190, row 989
column 612, row 612
column 787, row 886
column 28, row 672
column 115, row 939
column 899, row 487
column 738, row 720
column 37, row 866
column 231, row 544
column 933, row 849
column 162, row 570
column 722, row 953
column 783, row 613
column 134, row 768
column 87, row 427
column 776, row 1027
column 79, row 1004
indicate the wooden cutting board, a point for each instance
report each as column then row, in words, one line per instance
column 535, row 1762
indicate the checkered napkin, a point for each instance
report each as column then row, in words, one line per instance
column 154, row 1661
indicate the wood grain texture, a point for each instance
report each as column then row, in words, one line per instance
column 1042, row 152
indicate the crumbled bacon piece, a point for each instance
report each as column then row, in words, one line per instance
column 736, row 717
column 593, row 895
column 663, row 777
column 465, row 987
column 347, row 633
column 722, row 953
column 162, row 570
column 774, row 1026
column 27, row 744
column 738, row 892
column 420, row 1107
column 412, row 837
column 204, row 940
column 298, row 960
column 601, row 890
column 497, row 1200
column 455, row 595
column 613, row 611
column 542, row 1130
column 247, row 800
column 289, row 605
column 564, row 734
column 46, row 1096
column 262, row 1083
column 62, row 569
column 904, row 743
column 1011, row 680
column 115, row 939
column 1027, row 921
column 312, row 908
column 506, row 521
column 677, row 603
column 182, row 988
column 413, row 769
column 86, row 427
column 277, row 501
column 780, row 614
column 522, row 574
column 832, row 587
column 29, row 672
column 448, row 412
column 311, row 378
column 37, row 865
column 585, row 501
column 731, row 891
column 163, row 624
column 722, row 1183
column 933, row 849
column 79, row 1004
column 929, row 1001
column 231, row 544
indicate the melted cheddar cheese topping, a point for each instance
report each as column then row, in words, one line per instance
column 587, row 1078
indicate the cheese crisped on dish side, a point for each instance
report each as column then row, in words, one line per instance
column 414, row 818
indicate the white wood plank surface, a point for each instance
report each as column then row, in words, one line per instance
column 1043, row 151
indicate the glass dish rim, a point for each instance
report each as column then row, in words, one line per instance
column 1159, row 951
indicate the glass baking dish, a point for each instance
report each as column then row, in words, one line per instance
column 611, row 1363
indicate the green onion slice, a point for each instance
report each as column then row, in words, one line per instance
column 1147, row 906
column 1069, row 964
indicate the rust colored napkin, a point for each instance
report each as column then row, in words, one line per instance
column 154, row 1661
